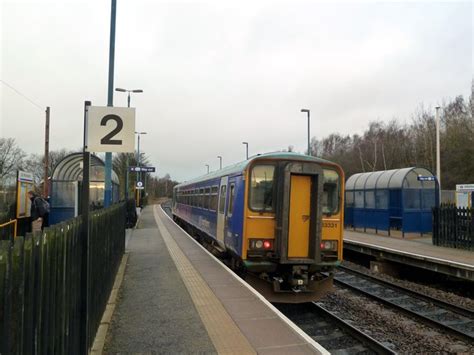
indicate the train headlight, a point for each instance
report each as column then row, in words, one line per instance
column 328, row 245
column 261, row 244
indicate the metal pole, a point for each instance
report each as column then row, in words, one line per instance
column 138, row 172
column 46, row 155
column 207, row 165
column 246, row 150
column 220, row 162
column 438, row 154
column 110, row 102
column 127, row 163
column 84, row 314
column 309, row 144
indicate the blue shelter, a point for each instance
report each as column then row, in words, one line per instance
column 66, row 182
column 399, row 199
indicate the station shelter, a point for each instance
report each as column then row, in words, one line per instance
column 66, row 184
column 399, row 199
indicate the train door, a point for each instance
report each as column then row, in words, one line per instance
column 221, row 209
column 299, row 216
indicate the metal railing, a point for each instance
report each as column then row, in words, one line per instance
column 8, row 230
column 453, row 227
column 40, row 284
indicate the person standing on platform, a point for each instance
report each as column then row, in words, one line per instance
column 39, row 212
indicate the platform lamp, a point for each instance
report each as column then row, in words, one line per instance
column 136, row 91
column 207, row 165
column 220, row 162
column 307, row 112
column 246, row 150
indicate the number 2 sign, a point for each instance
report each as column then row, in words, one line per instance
column 110, row 129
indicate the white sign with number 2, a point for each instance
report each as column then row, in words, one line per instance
column 110, row 129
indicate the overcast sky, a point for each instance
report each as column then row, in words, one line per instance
column 216, row 73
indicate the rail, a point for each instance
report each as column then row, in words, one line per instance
column 430, row 311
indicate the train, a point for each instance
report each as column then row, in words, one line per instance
column 275, row 218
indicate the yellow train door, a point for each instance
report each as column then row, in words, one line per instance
column 300, row 212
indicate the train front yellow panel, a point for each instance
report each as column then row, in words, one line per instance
column 300, row 212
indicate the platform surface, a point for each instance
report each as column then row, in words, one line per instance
column 176, row 298
column 414, row 248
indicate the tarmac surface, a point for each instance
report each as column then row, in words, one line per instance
column 154, row 313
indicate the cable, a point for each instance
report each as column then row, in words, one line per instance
column 24, row 96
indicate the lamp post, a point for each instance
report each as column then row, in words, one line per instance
column 438, row 154
column 138, row 165
column 246, row 150
column 220, row 162
column 207, row 168
column 309, row 146
column 128, row 105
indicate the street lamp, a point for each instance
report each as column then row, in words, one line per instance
column 129, row 91
column 138, row 165
column 220, row 161
column 307, row 112
column 438, row 154
column 128, row 103
column 246, row 150
column 207, row 168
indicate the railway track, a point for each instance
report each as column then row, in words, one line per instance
column 332, row 332
column 458, row 321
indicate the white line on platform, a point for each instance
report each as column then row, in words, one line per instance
column 292, row 325
column 419, row 256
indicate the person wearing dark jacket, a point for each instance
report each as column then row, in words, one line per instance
column 39, row 211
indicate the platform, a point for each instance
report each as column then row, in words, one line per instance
column 417, row 252
column 178, row 298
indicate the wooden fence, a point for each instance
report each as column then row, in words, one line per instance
column 40, row 284
column 453, row 227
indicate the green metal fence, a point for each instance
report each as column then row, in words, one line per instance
column 453, row 227
column 40, row 283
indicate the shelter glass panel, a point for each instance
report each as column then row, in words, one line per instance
column 350, row 183
column 411, row 181
column 349, row 198
column 63, row 194
column 428, row 198
column 369, row 199
column 381, row 199
column 359, row 199
column 411, row 199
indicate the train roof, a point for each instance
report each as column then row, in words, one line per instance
column 241, row 166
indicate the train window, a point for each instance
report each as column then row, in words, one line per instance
column 231, row 199
column 261, row 188
column 222, row 198
column 206, row 198
column 193, row 198
column 201, row 198
column 331, row 190
column 213, row 202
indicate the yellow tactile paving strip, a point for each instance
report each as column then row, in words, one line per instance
column 224, row 333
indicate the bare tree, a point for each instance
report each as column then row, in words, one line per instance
column 11, row 158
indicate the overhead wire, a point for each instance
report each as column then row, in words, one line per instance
column 22, row 95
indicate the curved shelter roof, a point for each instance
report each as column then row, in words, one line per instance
column 390, row 179
column 70, row 169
